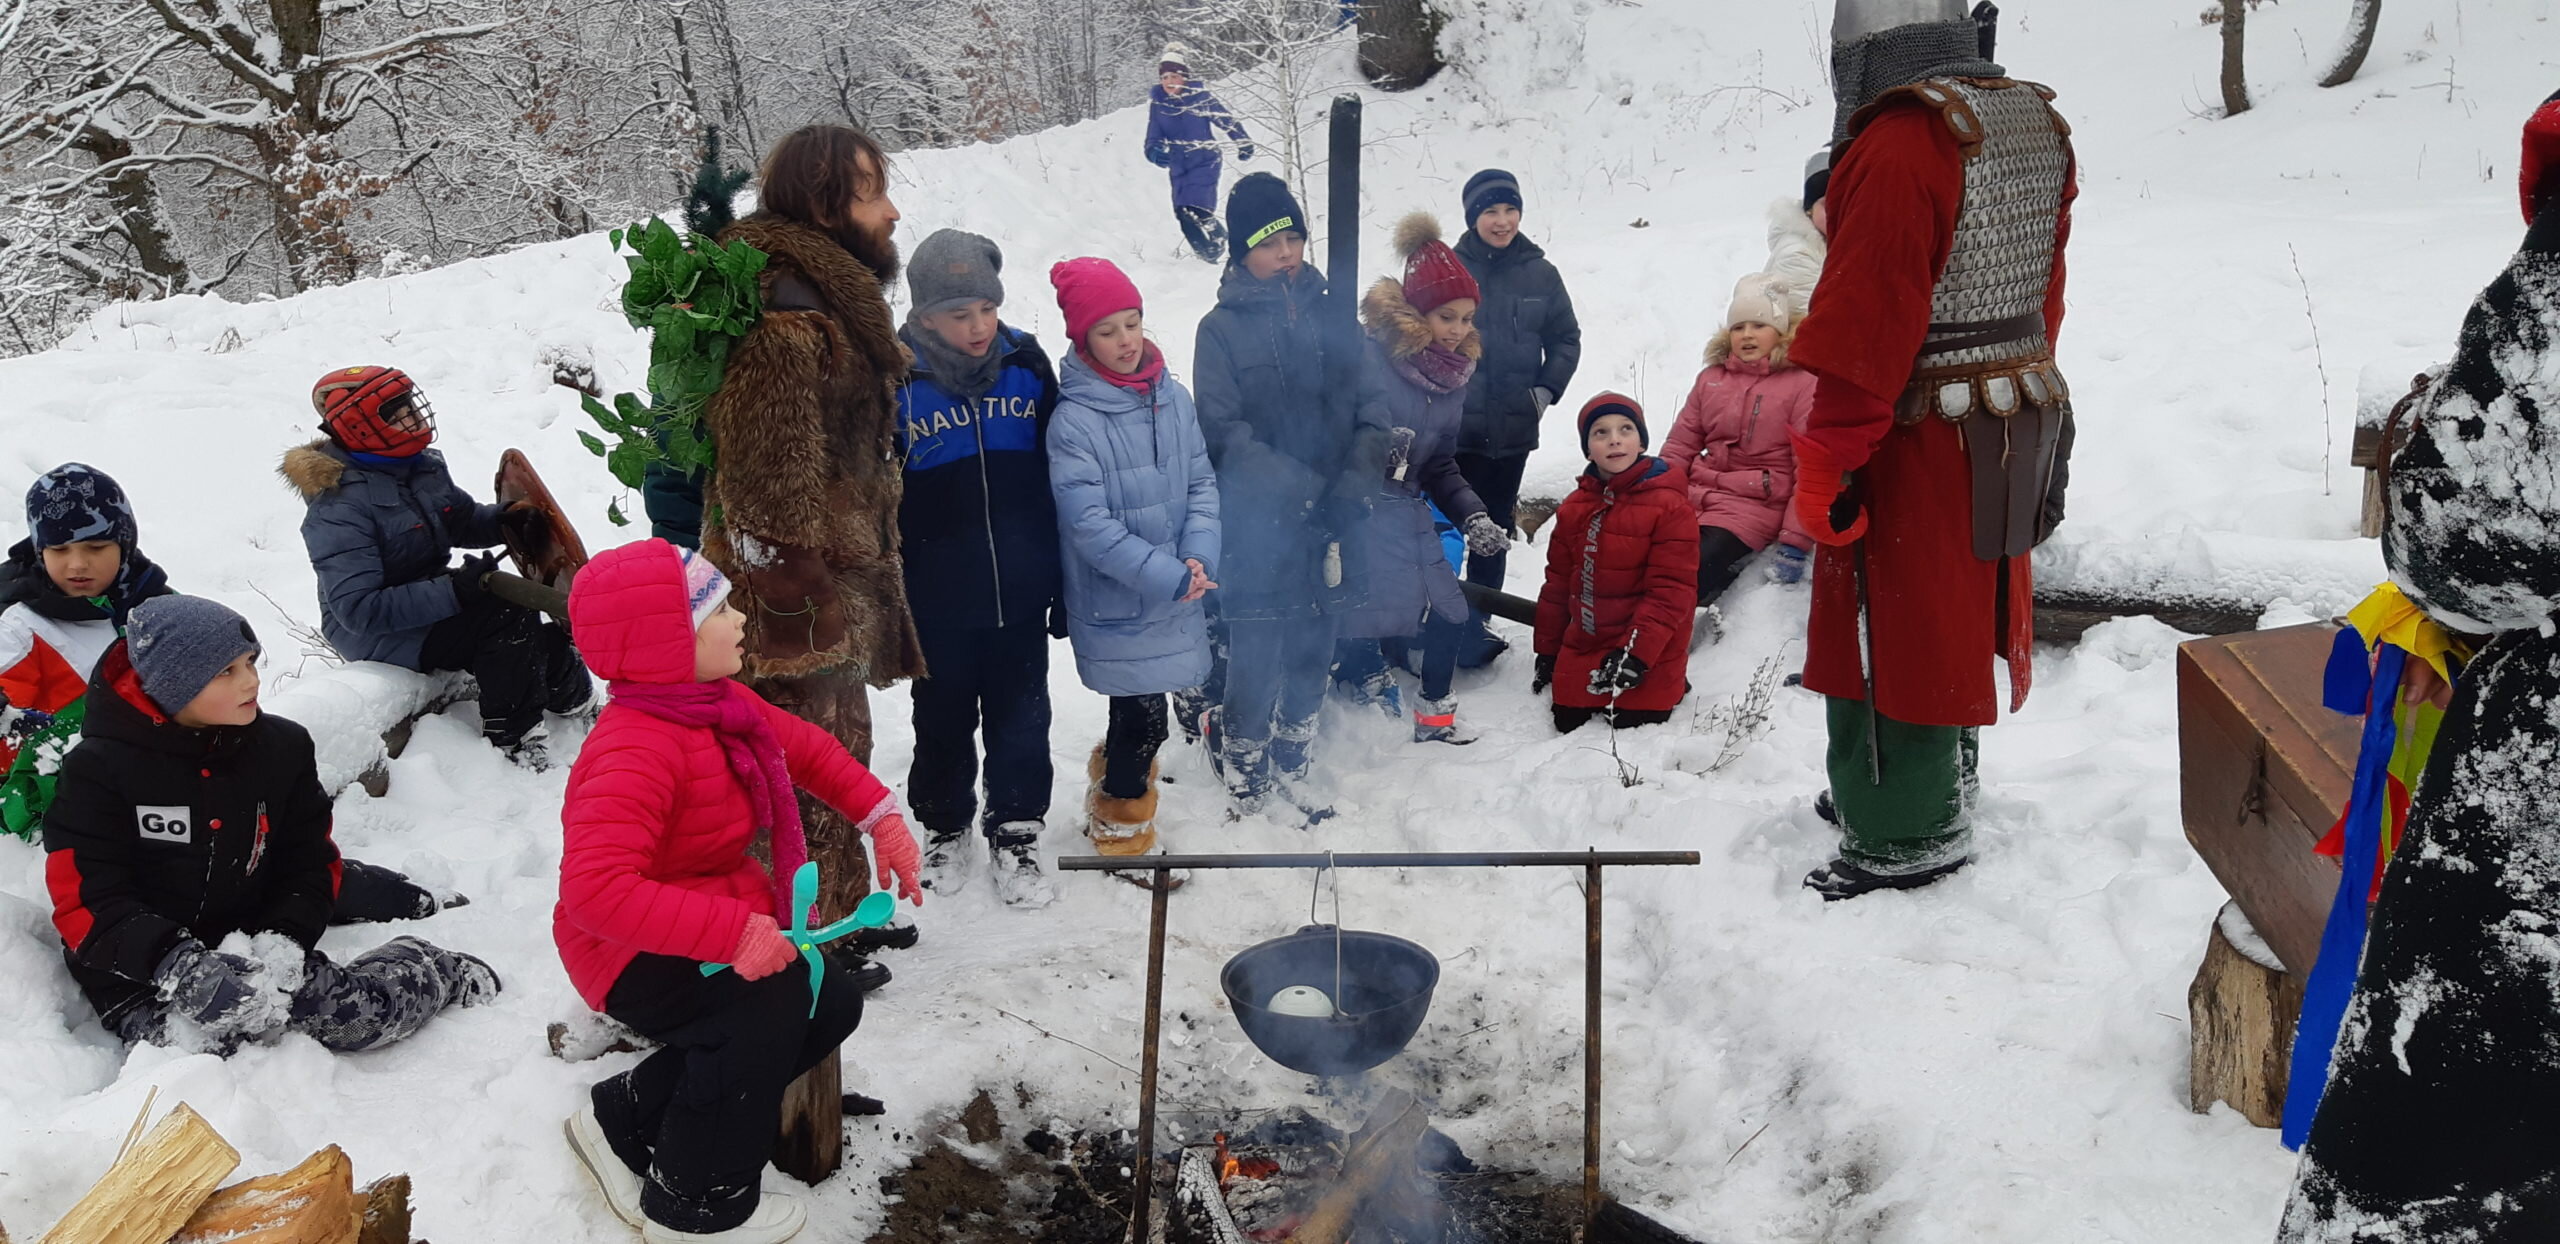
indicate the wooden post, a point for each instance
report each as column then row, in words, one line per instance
column 810, row 1145
column 2241, row 1012
column 149, row 1192
column 1590, row 1046
column 1144, row 1167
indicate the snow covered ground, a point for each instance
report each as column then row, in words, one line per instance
column 1999, row 1058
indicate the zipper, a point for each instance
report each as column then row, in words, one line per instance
column 986, row 501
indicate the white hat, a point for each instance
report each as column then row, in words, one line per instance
column 1759, row 299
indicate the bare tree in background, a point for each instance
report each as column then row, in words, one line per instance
column 1276, row 65
column 2235, row 69
column 2362, row 19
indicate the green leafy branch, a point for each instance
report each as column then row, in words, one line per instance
column 696, row 298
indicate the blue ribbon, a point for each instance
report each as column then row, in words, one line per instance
column 2333, row 975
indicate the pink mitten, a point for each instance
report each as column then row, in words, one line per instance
column 901, row 864
column 762, row 949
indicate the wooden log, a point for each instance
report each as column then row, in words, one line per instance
column 2264, row 771
column 810, row 1145
column 314, row 1203
column 149, row 1191
column 2241, row 1012
column 386, row 1211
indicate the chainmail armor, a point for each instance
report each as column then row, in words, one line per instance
column 2002, row 256
column 1871, row 66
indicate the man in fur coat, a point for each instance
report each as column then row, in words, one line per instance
column 802, row 508
column 1939, row 419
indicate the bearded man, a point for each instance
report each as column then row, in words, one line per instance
column 1932, row 463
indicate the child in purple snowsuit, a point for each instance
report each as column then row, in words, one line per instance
column 1181, row 123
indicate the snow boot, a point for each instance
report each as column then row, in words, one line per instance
column 614, row 1176
column 1014, row 849
column 1481, row 646
column 1293, row 748
column 777, row 1218
column 1119, row 826
column 1436, row 721
column 1841, row 879
column 532, row 752
column 946, row 861
column 1378, row 691
column 1245, row 766
column 1191, row 711
column 1708, row 629
column 371, row 893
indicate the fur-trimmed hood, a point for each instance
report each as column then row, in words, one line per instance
column 1392, row 322
column 315, row 469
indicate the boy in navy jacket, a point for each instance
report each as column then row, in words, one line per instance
column 979, row 538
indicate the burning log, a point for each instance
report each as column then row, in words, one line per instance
column 1379, row 1181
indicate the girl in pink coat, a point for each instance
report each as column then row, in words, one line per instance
column 685, row 768
column 1733, row 440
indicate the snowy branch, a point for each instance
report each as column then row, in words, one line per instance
column 229, row 49
column 415, row 45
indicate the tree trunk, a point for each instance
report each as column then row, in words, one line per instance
column 136, row 200
column 2352, row 50
column 2241, row 1012
column 1399, row 43
column 2235, row 72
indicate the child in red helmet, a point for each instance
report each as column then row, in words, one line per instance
column 385, row 517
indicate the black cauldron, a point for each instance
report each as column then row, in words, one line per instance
column 1384, row 991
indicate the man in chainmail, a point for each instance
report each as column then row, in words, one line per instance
column 1931, row 464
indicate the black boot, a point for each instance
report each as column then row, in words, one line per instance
column 1841, row 879
column 1824, row 808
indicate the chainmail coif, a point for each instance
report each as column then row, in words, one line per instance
column 1871, row 66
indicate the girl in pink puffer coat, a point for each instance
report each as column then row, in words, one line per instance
column 1734, row 440
column 685, row 769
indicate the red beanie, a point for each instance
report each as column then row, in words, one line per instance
column 1091, row 290
column 1607, row 404
column 1433, row 276
column 2540, row 178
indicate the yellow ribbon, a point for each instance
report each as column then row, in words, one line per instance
column 2389, row 617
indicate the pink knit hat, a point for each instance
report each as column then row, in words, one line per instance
column 1089, row 290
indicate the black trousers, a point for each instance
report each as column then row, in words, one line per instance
column 996, row 678
column 523, row 663
column 1721, row 557
column 1569, row 720
column 1201, row 228
column 1497, row 484
column 697, row 1119
column 1138, row 728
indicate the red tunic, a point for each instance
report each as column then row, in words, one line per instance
column 1894, row 200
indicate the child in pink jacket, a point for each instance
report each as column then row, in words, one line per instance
column 1733, row 440
column 685, row 768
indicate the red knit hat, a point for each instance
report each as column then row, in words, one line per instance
column 1091, row 290
column 1433, row 277
column 1607, row 404
column 2540, row 170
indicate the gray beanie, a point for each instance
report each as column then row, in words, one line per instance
column 179, row 644
column 951, row 268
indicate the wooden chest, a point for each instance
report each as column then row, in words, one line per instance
column 2264, row 771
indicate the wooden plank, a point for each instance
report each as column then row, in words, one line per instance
column 149, row 1191
column 2264, row 773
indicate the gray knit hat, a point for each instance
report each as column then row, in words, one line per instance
column 179, row 644
column 953, row 268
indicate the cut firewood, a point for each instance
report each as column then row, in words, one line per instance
column 810, row 1145
column 386, row 1211
column 149, row 1192
column 2240, row 1013
column 314, row 1203
column 1378, row 1177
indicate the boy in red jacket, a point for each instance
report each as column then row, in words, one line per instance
column 1622, row 580
column 683, row 770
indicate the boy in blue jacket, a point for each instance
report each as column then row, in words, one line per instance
column 1182, row 123
column 979, row 538
column 385, row 517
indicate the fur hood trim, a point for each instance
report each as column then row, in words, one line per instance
column 1393, row 323
column 1720, row 348
column 311, row 469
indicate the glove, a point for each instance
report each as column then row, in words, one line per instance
column 893, row 845
column 1399, row 452
column 796, row 595
column 1819, row 505
column 16, row 724
column 1485, row 537
column 762, row 949
column 1540, row 400
column 1542, row 673
column 523, row 522
column 210, row 988
column 1789, row 566
column 1619, row 671
column 1244, row 151
column 468, row 587
column 1159, row 153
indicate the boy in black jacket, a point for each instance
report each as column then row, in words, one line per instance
column 171, row 830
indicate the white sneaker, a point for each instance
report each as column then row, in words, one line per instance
column 1019, row 881
column 620, row 1184
column 777, row 1218
column 946, row 863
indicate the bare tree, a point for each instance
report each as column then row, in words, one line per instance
column 2235, row 69
column 1277, row 78
column 2355, row 45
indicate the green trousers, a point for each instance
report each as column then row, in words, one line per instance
column 1920, row 815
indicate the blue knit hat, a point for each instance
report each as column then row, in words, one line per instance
column 74, row 503
column 179, row 644
column 1486, row 189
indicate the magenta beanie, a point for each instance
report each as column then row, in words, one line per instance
column 1090, row 289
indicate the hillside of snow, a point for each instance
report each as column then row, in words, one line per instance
column 2000, row 1058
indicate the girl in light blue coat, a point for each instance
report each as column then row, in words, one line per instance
column 1138, row 522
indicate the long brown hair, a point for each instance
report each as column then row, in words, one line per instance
column 814, row 171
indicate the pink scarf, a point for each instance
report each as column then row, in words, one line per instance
column 1437, row 369
column 736, row 717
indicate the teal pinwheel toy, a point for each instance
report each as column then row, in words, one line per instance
column 875, row 910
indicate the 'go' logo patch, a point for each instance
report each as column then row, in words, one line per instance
column 166, row 824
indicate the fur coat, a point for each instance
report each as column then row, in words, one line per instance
column 805, row 427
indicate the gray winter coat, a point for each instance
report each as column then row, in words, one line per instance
column 1409, row 573
column 1531, row 341
column 1136, row 495
column 381, row 537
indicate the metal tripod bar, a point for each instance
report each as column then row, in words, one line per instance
column 1160, row 869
